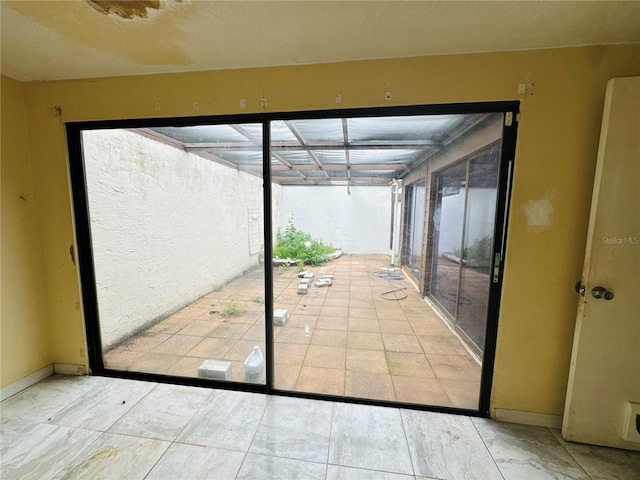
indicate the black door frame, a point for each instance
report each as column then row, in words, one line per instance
column 90, row 311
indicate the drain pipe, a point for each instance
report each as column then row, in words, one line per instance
column 396, row 219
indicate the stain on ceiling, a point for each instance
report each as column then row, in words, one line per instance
column 51, row 40
column 125, row 8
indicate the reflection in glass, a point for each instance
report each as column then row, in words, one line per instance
column 478, row 246
column 447, row 227
column 463, row 223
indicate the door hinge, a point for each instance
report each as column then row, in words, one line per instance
column 496, row 267
column 508, row 119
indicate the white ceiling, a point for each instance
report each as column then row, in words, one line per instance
column 47, row 40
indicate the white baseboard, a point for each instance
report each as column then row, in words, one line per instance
column 528, row 418
column 26, row 382
column 69, row 369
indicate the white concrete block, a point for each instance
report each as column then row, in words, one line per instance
column 216, row 369
column 303, row 288
column 305, row 281
column 280, row 316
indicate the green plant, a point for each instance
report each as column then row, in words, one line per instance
column 299, row 245
column 257, row 299
column 480, row 251
column 218, row 287
column 284, row 267
column 232, row 309
column 478, row 254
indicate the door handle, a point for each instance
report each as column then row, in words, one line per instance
column 601, row 292
column 580, row 288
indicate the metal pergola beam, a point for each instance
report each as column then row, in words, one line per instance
column 284, row 146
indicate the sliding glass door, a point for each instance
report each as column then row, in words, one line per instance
column 177, row 239
column 252, row 252
column 463, row 224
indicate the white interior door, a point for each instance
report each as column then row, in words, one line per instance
column 603, row 396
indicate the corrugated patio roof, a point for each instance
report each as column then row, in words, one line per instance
column 329, row 151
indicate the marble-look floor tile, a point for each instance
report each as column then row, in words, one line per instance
column 197, row 463
column 523, row 452
column 294, row 428
column 163, row 413
column 38, row 451
column 43, row 400
column 447, row 446
column 272, row 468
column 100, row 408
column 336, row 472
column 369, row 437
column 228, row 420
column 602, row 463
column 115, row 456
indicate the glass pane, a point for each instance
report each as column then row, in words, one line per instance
column 478, row 243
column 447, row 225
column 368, row 333
column 413, row 259
column 177, row 237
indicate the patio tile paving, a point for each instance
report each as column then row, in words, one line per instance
column 290, row 353
column 397, row 342
column 326, row 380
column 178, row 344
column 366, row 340
column 286, row 376
column 409, row 364
column 120, row 359
column 396, row 326
column 340, row 340
column 372, row 361
column 441, row 344
column 326, row 357
column 294, row 335
column 369, row 385
column 357, row 312
column 200, row 328
column 332, row 323
column 155, row 362
column 212, row 347
column 423, row 391
column 364, row 324
column 334, row 338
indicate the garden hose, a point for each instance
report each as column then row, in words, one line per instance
column 392, row 279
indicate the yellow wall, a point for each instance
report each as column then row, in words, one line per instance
column 555, row 163
column 24, row 320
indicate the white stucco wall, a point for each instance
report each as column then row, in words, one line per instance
column 167, row 227
column 359, row 223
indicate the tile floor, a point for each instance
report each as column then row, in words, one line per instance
column 341, row 340
column 98, row 427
